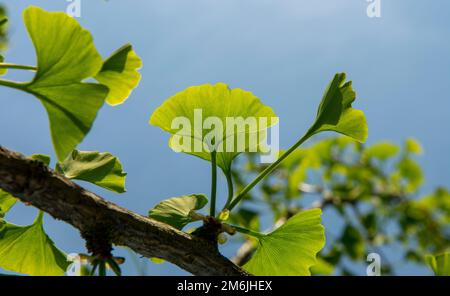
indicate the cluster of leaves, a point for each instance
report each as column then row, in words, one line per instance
column 374, row 190
column 291, row 249
column 66, row 56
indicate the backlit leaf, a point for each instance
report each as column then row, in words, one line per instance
column 102, row 169
column 335, row 111
column 291, row 249
column 119, row 73
column 198, row 103
column 66, row 55
column 175, row 211
column 6, row 202
column 28, row 250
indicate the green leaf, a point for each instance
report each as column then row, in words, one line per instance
column 7, row 201
column 213, row 101
column 291, row 249
column 45, row 159
column 28, row 250
column 2, row 71
column 66, row 56
column 119, row 73
column 102, row 169
column 3, row 28
column 322, row 268
column 175, row 211
column 335, row 111
column 440, row 264
column 410, row 171
column 381, row 151
column 413, row 146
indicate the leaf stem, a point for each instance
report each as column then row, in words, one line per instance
column 16, row 66
column 212, row 210
column 230, row 190
column 248, row 231
column 102, row 268
column 267, row 171
column 12, row 84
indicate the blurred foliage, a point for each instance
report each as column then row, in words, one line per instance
column 3, row 29
column 372, row 189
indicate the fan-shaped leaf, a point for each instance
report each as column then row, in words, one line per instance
column 66, row 55
column 291, row 249
column 198, row 103
column 28, row 250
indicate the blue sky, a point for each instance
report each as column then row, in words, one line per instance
column 283, row 51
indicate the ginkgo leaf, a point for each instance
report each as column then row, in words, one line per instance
column 6, row 202
column 66, row 55
column 335, row 111
column 119, row 73
column 175, row 211
column 197, row 119
column 28, row 250
column 291, row 249
column 102, row 169
column 440, row 264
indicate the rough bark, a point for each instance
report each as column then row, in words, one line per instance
column 35, row 184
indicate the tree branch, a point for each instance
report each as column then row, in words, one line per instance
column 34, row 183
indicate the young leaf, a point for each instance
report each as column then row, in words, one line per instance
column 119, row 73
column 291, row 249
column 335, row 111
column 28, row 250
column 217, row 101
column 101, row 169
column 175, row 211
column 440, row 264
column 7, row 201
